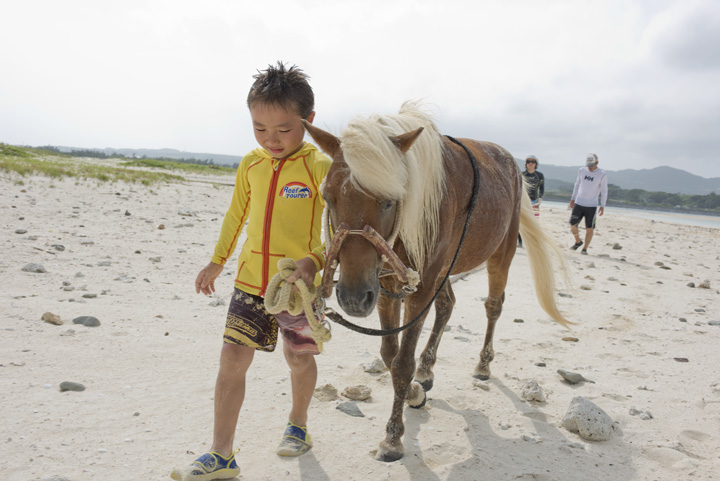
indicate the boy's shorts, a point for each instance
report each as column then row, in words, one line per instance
column 580, row 211
column 249, row 324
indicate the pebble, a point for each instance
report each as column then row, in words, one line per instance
column 351, row 409
column 328, row 392
column 71, row 386
column 376, row 366
column 357, row 393
column 186, row 211
column 217, row 302
column 532, row 391
column 90, row 295
column 518, row 320
column 33, row 267
column 691, row 284
column 589, row 421
column 714, row 323
column 58, row 247
column 51, row 318
column 704, row 284
column 644, row 415
column 21, row 231
column 616, row 246
column 573, row 377
column 540, row 364
column 562, row 294
column 87, row 321
column 570, row 339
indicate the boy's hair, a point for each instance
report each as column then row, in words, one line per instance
column 284, row 87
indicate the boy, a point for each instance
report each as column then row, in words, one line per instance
column 277, row 192
column 591, row 184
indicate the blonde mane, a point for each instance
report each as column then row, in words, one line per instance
column 415, row 178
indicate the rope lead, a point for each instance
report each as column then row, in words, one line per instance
column 279, row 296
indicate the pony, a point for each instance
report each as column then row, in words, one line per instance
column 408, row 207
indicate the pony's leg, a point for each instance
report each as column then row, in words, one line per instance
column 444, row 304
column 389, row 313
column 497, row 267
column 401, row 370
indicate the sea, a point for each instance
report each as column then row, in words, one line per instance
column 657, row 215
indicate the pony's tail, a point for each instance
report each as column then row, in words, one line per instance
column 541, row 252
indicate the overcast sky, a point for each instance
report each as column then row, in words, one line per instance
column 635, row 81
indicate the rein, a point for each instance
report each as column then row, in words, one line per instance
column 336, row 317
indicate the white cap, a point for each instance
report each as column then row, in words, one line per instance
column 591, row 159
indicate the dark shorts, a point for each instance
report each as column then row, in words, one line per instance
column 249, row 324
column 580, row 211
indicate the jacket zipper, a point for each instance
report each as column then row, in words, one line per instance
column 266, row 231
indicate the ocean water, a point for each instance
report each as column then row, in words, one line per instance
column 657, row 215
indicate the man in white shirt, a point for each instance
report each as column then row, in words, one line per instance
column 591, row 183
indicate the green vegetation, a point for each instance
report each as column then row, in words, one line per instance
column 175, row 165
column 643, row 199
column 27, row 161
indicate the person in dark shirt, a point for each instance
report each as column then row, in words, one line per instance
column 535, row 186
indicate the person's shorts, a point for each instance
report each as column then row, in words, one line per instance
column 249, row 324
column 580, row 211
column 536, row 207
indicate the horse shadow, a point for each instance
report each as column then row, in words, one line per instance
column 548, row 455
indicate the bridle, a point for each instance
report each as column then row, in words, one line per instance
column 404, row 274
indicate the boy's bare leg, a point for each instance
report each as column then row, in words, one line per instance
column 575, row 232
column 229, row 394
column 588, row 237
column 303, row 377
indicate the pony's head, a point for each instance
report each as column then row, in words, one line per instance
column 386, row 177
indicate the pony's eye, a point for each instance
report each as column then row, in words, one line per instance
column 387, row 205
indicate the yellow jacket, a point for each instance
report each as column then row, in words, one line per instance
column 283, row 207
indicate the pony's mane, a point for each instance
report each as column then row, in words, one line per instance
column 416, row 177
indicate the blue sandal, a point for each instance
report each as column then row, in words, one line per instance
column 295, row 441
column 208, row 467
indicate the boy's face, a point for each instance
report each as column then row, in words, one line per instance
column 277, row 130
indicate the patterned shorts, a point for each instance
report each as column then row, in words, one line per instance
column 249, row 324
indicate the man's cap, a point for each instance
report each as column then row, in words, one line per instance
column 591, row 159
column 531, row 157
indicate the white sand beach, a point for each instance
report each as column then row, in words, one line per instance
column 128, row 255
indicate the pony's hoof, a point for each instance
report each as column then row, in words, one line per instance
column 482, row 377
column 422, row 403
column 426, row 385
column 387, row 455
column 418, row 398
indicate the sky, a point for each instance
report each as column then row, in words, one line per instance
column 636, row 82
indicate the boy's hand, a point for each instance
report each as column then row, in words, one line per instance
column 205, row 281
column 305, row 270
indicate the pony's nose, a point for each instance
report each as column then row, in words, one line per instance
column 356, row 302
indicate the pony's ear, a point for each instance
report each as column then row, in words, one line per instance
column 327, row 142
column 404, row 141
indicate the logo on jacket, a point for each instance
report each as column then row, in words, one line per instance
column 296, row 190
column 591, row 179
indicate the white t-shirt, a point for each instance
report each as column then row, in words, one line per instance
column 589, row 186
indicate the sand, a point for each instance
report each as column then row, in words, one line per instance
column 149, row 368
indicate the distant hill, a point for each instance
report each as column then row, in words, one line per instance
column 659, row 179
column 154, row 153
